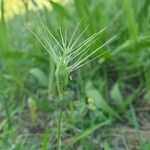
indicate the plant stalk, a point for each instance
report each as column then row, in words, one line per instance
column 59, row 121
column 62, row 82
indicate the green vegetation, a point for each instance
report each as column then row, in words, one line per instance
column 103, row 105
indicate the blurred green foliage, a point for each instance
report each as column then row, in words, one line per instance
column 114, row 83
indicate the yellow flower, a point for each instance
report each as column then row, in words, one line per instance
column 92, row 107
column 91, row 104
column 90, row 100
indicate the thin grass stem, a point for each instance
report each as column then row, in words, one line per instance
column 59, row 121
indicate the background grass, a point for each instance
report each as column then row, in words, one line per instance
column 107, row 103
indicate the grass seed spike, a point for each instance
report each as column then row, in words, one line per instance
column 67, row 54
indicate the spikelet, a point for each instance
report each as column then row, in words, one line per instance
column 61, row 75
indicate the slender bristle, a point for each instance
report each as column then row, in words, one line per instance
column 75, row 53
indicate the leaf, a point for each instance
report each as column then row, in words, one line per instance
column 100, row 102
column 117, row 96
column 130, row 20
column 45, row 140
column 137, row 127
column 40, row 76
column 3, row 124
column 142, row 42
column 136, row 93
column 88, row 131
column 106, row 146
column 60, row 9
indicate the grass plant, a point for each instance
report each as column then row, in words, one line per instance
column 67, row 54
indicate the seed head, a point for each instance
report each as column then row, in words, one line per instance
column 61, row 74
column 67, row 54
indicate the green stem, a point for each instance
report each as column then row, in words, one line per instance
column 7, row 112
column 59, row 121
